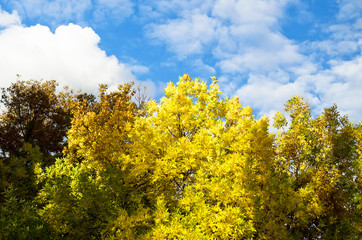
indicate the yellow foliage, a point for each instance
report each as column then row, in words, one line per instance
column 99, row 133
column 201, row 149
column 198, row 165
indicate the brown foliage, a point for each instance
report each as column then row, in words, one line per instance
column 34, row 114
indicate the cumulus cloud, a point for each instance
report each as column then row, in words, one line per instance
column 70, row 55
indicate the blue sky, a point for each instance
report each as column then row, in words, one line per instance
column 264, row 52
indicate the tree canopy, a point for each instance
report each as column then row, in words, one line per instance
column 33, row 114
column 195, row 165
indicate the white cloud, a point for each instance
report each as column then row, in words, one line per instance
column 260, row 64
column 263, row 58
column 345, row 36
column 7, row 19
column 203, row 68
column 250, row 39
column 57, row 10
column 65, row 11
column 265, row 13
column 243, row 35
column 186, row 36
column 343, row 39
column 350, row 9
column 268, row 93
column 342, row 84
column 70, row 55
column 335, row 48
column 116, row 10
column 138, row 69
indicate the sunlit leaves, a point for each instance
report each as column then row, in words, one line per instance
column 320, row 156
column 195, row 165
column 202, row 149
column 99, row 132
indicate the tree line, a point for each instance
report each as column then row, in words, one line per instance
column 195, row 165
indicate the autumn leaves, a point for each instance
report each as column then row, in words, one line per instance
column 198, row 165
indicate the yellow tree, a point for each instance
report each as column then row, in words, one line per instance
column 320, row 156
column 204, row 155
column 91, row 192
column 199, row 165
column 358, row 193
column 98, row 135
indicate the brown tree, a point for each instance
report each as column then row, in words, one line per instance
column 33, row 114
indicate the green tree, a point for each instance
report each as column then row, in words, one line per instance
column 80, row 203
column 19, row 219
column 20, row 173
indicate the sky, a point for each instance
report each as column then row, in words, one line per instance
column 263, row 51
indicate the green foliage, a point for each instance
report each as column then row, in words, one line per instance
column 20, row 172
column 19, row 219
column 81, row 204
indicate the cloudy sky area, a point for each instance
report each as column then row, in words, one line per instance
column 265, row 52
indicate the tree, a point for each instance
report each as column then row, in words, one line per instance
column 321, row 158
column 80, row 203
column 196, row 165
column 19, row 218
column 99, row 131
column 92, row 192
column 33, row 114
column 20, row 173
column 204, row 155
